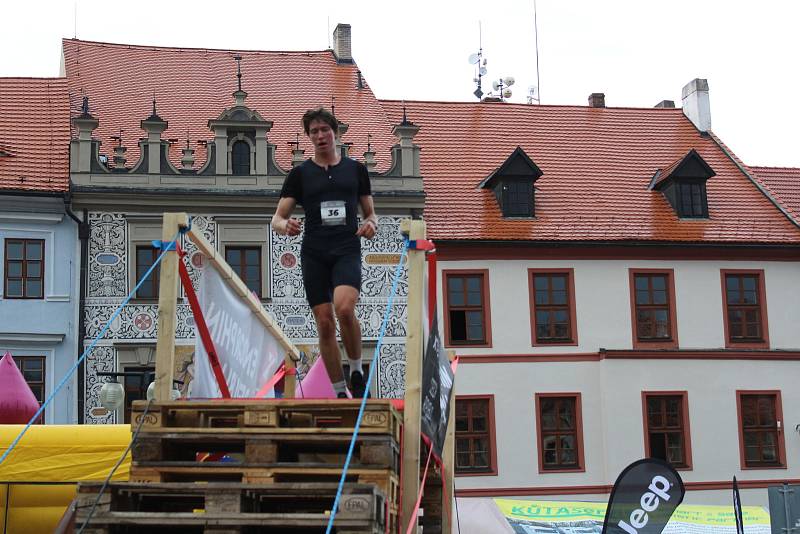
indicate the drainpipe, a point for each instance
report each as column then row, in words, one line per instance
column 83, row 235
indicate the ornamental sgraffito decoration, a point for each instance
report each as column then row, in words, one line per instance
column 107, row 255
column 102, row 359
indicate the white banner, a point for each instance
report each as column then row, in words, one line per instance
column 247, row 352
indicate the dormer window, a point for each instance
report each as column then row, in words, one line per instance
column 512, row 184
column 240, row 156
column 684, row 185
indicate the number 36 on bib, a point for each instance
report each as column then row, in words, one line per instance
column 333, row 212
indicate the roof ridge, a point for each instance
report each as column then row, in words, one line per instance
column 190, row 48
column 29, row 78
column 520, row 104
column 782, row 168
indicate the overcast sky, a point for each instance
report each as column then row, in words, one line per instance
column 637, row 52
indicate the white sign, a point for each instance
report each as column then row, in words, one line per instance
column 248, row 353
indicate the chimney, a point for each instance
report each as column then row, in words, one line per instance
column 597, row 100
column 696, row 105
column 666, row 104
column 341, row 44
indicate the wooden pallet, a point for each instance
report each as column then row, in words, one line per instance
column 281, row 415
column 231, row 507
column 385, row 479
column 264, row 450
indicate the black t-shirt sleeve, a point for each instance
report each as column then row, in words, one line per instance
column 293, row 185
column 364, row 185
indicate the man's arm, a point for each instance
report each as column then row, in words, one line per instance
column 282, row 222
column 370, row 224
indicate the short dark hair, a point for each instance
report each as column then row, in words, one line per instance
column 320, row 114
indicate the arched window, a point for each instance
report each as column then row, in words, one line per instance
column 240, row 152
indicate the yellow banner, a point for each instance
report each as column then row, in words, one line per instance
column 554, row 511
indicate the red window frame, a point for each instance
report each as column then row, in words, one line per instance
column 39, row 386
column 541, row 433
column 777, row 428
column 491, row 470
column 152, row 281
column 24, row 261
column 654, row 343
column 684, row 427
column 570, row 287
column 761, row 295
column 485, row 306
column 241, row 271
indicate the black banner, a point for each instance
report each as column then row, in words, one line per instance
column 437, row 388
column 643, row 499
column 737, row 508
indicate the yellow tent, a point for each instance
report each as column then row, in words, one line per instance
column 38, row 478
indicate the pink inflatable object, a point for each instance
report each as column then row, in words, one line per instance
column 17, row 402
column 316, row 384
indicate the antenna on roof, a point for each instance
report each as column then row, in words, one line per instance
column 369, row 142
column 238, row 59
column 329, row 32
column 333, row 105
column 533, row 91
column 75, row 13
column 118, row 138
column 480, row 64
column 187, row 137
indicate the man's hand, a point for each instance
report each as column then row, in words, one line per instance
column 292, row 227
column 367, row 229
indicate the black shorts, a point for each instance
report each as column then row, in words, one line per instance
column 323, row 271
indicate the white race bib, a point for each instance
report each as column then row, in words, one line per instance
column 333, row 212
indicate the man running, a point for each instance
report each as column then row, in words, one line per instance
column 330, row 188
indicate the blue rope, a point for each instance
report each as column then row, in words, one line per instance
column 372, row 368
column 86, row 352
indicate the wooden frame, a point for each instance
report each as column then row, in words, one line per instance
column 655, row 343
column 24, row 277
column 762, row 304
column 573, row 326
column 781, row 440
column 167, row 301
column 581, row 467
column 486, row 307
column 490, row 431
column 686, row 430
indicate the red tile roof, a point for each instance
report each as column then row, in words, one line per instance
column 34, row 134
column 194, row 85
column 784, row 185
column 597, row 165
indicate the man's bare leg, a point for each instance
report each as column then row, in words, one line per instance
column 344, row 305
column 328, row 346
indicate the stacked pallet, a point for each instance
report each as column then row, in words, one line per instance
column 253, row 466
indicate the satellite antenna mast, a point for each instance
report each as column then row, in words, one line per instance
column 534, row 93
column 480, row 65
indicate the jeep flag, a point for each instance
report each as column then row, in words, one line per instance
column 248, row 353
column 643, row 499
column 437, row 386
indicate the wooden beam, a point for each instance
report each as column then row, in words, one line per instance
column 217, row 260
column 167, row 304
column 448, row 459
column 409, row 485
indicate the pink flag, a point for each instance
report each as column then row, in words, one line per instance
column 17, row 402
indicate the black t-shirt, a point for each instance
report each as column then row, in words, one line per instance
column 311, row 185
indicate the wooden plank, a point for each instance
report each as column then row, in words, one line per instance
column 448, row 459
column 167, row 304
column 415, row 229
